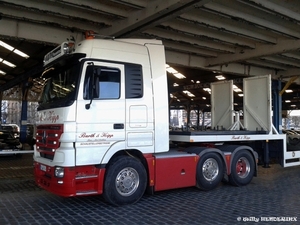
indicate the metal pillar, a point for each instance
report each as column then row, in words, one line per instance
column 23, row 123
column 198, row 118
column 266, row 155
column 188, row 115
column 277, row 105
column 1, row 97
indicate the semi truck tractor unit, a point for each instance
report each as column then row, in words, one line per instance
column 103, row 125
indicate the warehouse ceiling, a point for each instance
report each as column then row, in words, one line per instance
column 203, row 38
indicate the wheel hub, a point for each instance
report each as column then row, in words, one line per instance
column 243, row 167
column 127, row 181
column 210, row 169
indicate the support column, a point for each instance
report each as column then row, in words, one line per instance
column 1, row 98
column 188, row 115
column 198, row 118
column 266, row 155
column 23, row 123
column 277, row 105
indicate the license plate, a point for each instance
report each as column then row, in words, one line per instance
column 43, row 167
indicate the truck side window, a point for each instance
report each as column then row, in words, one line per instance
column 108, row 81
column 133, row 81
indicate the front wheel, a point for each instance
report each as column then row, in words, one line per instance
column 242, row 168
column 210, row 171
column 125, row 181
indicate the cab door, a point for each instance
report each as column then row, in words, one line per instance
column 100, row 111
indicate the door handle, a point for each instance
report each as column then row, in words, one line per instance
column 118, row 126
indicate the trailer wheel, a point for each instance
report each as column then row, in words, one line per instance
column 125, row 181
column 210, row 171
column 242, row 168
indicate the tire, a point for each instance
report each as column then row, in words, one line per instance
column 242, row 168
column 125, row 181
column 210, row 171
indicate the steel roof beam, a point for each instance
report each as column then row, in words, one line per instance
column 171, row 35
column 92, row 6
column 263, row 63
column 263, row 50
column 294, row 55
column 276, row 6
column 188, row 48
column 156, row 12
column 43, row 8
column 48, row 20
column 254, row 16
column 200, row 62
column 183, row 47
column 200, row 30
column 226, row 24
column 36, row 32
column 131, row 3
column 288, row 73
column 282, row 60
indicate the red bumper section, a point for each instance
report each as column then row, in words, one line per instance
column 77, row 181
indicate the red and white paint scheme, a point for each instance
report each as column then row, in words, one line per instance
column 103, row 125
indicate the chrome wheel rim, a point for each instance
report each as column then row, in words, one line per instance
column 210, row 169
column 127, row 181
column 243, row 167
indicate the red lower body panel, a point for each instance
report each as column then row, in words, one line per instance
column 175, row 172
column 81, row 180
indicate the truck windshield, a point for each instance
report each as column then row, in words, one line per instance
column 59, row 87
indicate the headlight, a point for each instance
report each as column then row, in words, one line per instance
column 59, row 172
column 65, row 48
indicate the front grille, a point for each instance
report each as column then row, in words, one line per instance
column 47, row 139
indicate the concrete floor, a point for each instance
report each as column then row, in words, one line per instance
column 273, row 195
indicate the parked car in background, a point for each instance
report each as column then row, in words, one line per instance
column 12, row 128
column 8, row 143
column 291, row 134
column 292, row 138
column 296, row 131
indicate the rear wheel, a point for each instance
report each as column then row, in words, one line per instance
column 125, row 181
column 242, row 168
column 210, row 171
